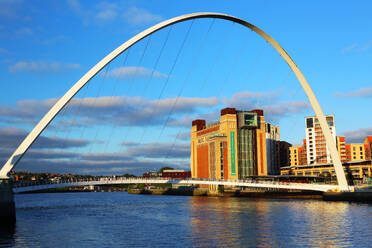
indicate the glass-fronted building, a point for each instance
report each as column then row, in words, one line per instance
column 239, row 145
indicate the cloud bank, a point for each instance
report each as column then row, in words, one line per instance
column 362, row 92
column 42, row 67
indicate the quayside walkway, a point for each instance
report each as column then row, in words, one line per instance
column 35, row 186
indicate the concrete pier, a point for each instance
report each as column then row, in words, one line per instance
column 7, row 206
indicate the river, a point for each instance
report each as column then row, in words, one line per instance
column 118, row 219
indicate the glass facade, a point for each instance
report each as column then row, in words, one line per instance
column 246, row 152
column 232, row 152
column 222, row 162
column 212, row 162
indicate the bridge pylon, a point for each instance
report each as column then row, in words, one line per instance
column 7, row 206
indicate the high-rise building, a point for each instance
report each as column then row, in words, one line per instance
column 240, row 145
column 317, row 151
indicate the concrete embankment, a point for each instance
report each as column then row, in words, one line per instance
column 348, row 196
column 231, row 193
column 170, row 191
column 327, row 196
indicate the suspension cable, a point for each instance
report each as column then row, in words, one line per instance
column 129, row 89
column 195, row 62
column 150, row 79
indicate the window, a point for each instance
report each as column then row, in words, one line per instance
column 309, row 123
column 330, row 121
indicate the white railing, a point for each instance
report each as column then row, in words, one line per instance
column 40, row 185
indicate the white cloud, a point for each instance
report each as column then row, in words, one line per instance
column 158, row 150
column 134, row 71
column 358, row 135
column 184, row 136
column 127, row 111
column 268, row 101
column 24, row 32
column 41, row 67
column 249, row 100
column 11, row 137
column 363, row 92
column 283, row 109
column 106, row 11
column 107, row 14
column 359, row 47
column 3, row 51
column 137, row 16
column 10, row 8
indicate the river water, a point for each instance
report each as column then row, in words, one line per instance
column 118, row 219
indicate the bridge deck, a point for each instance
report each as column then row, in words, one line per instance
column 238, row 183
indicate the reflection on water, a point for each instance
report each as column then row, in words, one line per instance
column 122, row 220
column 279, row 223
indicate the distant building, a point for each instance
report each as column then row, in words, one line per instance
column 342, row 150
column 317, row 151
column 354, row 151
column 298, row 155
column 358, row 170
column 368, row 147
column 176, row 173
column 240, row 145
column 357, row 152
column 284, row 155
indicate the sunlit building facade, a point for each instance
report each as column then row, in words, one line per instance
column 298, row 155
column 354, row 151
column 240, row 145
column 343, row 151
column 368, row 147
column 317, row 151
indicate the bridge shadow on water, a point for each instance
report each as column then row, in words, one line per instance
column 7, row 232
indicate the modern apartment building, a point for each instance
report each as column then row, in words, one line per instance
column 354, row 151
column 298, row 154
column 317, row 151
column 343, row 151
column 239, row 145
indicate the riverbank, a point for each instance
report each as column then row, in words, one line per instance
column 189, row 191
column 365, row 197
column 231, row 193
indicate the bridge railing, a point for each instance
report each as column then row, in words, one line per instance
column 154, row 180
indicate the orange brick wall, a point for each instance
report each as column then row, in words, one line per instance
column 203, row 161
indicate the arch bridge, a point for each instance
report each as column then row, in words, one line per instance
column 34, row 186
column 44, row 122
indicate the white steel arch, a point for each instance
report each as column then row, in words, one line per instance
column 44, row 122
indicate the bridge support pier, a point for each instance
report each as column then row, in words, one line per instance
column 7, row 206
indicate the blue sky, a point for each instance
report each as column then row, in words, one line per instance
column 124, row 122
